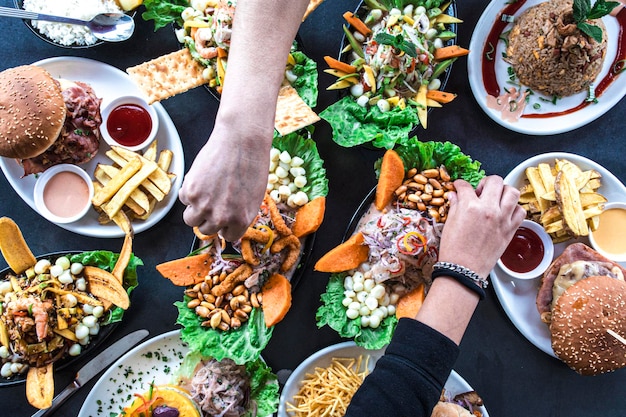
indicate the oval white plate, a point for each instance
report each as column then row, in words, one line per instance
column 109, row 83
column 518, row 296
column 155, row 360
column 322, row 358
column 539, row 126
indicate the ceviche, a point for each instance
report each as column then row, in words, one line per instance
column 396, row 56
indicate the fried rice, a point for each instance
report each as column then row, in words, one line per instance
column 549, row 54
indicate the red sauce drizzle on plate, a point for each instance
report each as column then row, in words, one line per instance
column 489, row 68
column 129, row 124
column 525, row 251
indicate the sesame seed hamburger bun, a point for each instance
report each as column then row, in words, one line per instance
column 580, row 320
column 32, row 111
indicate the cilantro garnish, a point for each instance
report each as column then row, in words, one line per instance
column 583, row 11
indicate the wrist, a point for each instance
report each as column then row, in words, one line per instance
column 463, row 275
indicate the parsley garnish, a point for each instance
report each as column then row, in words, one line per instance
column 583, row 11
column 397, row 42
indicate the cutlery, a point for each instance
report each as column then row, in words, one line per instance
column 94, row 367
column 110, row 27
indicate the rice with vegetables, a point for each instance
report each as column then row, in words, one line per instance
column 550, row 54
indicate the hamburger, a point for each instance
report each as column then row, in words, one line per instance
column 582, row 296
column 45, row 121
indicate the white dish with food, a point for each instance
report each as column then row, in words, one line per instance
column 518, row 297
column 608, row 239
column 323, row 358
column 563, row 116
column 530, row 237
column 129, row 121
column 109, row 83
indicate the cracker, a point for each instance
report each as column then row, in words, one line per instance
column 292, row 113
column 167, row 75
column 312, row 6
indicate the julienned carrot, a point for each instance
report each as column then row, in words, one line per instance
column 451, row 51
column 357, row 23
column 338, row 65
column 440, row 96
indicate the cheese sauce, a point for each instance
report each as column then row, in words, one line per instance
column 610, row 235
column 66, row 194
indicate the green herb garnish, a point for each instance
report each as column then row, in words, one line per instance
column 583, row 12
column 397, row 42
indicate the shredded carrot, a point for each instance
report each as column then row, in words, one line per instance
column 357, row 23
column 338, row 65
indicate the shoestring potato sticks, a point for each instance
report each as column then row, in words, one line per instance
column 328, row 391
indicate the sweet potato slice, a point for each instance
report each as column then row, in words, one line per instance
column 40, row 386
column 410, row 303
column 14, row 248
column 309, row 217
column 186, row 271
column 276, row 294
column 344, row 257
column 391, row 177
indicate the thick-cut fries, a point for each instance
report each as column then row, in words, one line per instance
column 109, row 190
column 328, row 391
column 115, row 204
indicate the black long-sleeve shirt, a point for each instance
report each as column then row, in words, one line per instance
column 408, row 379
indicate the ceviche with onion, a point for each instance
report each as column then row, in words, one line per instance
column 392, row 69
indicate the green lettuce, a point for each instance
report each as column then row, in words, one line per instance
column 332, row 313
column 263, row 383
column 106, row 260
column 242, row 345
column 164, row 12
column 355, row 125
column 305, row 148
column 426, row 155
column 306, row 70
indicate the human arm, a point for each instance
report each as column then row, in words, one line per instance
column 408, row 379
column 226, row 183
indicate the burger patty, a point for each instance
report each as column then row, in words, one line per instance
column 80, row 137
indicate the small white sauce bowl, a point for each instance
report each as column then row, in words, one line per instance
column 548, row 253
column 138, row 101
column 42, row 181
column 617, row 257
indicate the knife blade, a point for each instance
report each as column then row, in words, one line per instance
column 94, row 367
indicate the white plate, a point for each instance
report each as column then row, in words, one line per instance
column 549, row 125
column 518, row 296
column 108, row 82
column 155, row 360
column 454, row 385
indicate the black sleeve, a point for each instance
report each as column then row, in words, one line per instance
column 408, row 379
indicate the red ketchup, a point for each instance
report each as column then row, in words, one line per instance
column 525, row 251
column 129, row 124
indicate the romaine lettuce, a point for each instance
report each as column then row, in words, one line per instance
column 164, row 12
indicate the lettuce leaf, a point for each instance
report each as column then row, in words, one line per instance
column 241, row 345
column 355, row 125
column 106, row 260
column 306, row 83
column 164, row 12
column 263, row 383
column 305, row 148
column 425, row 155
column 332, row 313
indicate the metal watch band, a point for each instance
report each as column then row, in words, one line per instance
column 462, row 274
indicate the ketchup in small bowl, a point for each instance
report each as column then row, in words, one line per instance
column 130, row 122
column 529, row 253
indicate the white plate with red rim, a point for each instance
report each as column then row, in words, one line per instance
column 548, row 119
column 518, row 297
column 108, row 83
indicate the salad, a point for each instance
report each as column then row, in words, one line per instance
column 365, row 301
column 205, row 26
column 396, row 55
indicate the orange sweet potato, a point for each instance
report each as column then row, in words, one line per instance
column 344, row 257
column 186, row 271
column 391, row 177
column 309, row 217
column 410, row 303
column 276, row 293
column 440, row 96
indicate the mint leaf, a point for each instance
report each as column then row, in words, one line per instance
column 601, row 8
column 581, row 9
column 591, row 30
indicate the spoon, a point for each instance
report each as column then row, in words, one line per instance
column 110, row 27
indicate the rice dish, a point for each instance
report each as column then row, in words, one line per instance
column 65, row 34
column 549, row 54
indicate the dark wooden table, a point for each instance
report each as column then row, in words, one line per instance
column 512, row 375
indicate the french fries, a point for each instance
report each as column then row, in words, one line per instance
column 563, row 198
column 133, row 184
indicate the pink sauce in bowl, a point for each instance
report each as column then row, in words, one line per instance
column 63, row 193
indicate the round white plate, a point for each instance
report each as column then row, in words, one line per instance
column 548, row 125
column 153, row 361
column 108, row 82
column 322, row 358
column 518, row 296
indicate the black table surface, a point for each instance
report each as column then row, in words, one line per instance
column 513, row 376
